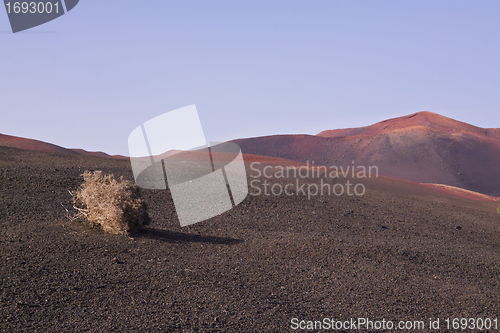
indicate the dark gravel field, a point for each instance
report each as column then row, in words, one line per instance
column 252, row 269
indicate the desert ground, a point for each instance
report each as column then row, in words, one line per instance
column 381, row 256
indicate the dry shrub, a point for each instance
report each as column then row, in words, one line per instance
column 115, row 206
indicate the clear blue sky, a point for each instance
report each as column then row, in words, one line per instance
column 252, row 68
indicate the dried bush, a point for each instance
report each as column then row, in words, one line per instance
column 115, row 206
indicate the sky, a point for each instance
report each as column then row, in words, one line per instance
column 253, row 68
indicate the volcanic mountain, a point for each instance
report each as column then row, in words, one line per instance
column 423, row 147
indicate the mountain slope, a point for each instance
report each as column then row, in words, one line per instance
column 422, row 147
column 30, row 144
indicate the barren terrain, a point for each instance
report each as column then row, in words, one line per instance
column 252, row 269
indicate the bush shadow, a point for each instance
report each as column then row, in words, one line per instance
column 182, row 237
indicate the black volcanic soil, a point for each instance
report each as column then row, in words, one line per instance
column 251, row 269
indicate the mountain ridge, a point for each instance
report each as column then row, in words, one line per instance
column 425, row 119
column 422, row 147
column 37, row 145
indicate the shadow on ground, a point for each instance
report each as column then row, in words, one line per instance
column 181, row 237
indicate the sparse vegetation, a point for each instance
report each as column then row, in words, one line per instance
column 115, row 206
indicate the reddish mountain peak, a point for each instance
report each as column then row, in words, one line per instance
column 423, row 119
column 426, row 119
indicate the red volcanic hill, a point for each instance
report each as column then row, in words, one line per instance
column 423, row 147
column 419, row 120
column 30, row 144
